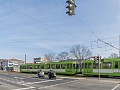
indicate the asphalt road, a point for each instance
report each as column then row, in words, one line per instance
column 16, row 81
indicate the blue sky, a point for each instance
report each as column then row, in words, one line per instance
column 36, row 27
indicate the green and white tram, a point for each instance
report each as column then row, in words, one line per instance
column 108, row 67
column 58, row 67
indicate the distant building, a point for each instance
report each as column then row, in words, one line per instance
column 40, row 60
column 16, row 64
column 37, row 60
column 4, row 64
column 44, row 60
column 10, row 64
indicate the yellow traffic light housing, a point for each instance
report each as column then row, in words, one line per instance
column 71, row 7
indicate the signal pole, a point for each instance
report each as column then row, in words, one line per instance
column 99, row 67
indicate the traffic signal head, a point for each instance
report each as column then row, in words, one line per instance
column 71, row 7
column 97, row 57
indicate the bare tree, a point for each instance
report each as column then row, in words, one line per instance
column 76, row 51
column 88, row 53
column 80, row 52
column 50, row 57
column 113, row 55
column 63, row 55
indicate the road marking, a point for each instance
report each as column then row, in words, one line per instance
column 25, row 88
column 57, row 84
column 21, row 78
column 115, row 87
column 73, row 78
column 41, row 82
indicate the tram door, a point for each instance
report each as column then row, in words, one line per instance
column 116, row 67
column 88, row 68
column 119, row 67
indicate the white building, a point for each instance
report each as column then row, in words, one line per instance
column 40, row 60
column 11, row 64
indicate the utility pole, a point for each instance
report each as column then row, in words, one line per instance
column 98, row 59
column 119, row 46
column 99, row 66
column 0, row 64
column 25, row 58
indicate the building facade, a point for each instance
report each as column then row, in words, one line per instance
column 37, row 60
column 40, row 60
column 10, row 64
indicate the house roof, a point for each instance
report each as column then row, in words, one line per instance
column 16, row 60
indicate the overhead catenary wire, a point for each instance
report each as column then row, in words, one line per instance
column 53, row 27
column 95, row 34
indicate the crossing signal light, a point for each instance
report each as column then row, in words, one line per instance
column 71, row 7
column 97, row 57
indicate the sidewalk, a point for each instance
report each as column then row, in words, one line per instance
column 2, row 71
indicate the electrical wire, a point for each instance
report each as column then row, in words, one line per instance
column 57, row 28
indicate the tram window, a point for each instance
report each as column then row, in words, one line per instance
column 35, row 67
column 82, row 65
column 62, row 66
column 24, row 67
column 89, row 65
column 48, row 66
column 30, row 67
column 70, row 66
column 74, row 66
column 86, row 65
column 42, row 66
column 107, row 65
column 95, row 65
column 57, row 66
column 21, row 67
column 38, row 66
column 77, row 66
column 67, row 66
column 53, row 66
column 116, row 65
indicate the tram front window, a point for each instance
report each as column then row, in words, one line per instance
column 107, row 65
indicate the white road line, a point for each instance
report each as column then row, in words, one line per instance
column 15, row 77
column 21, row 78
column 40, row 82
column 57, row 84
column 115, row 87
column 72, row 78
column 24, row 88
